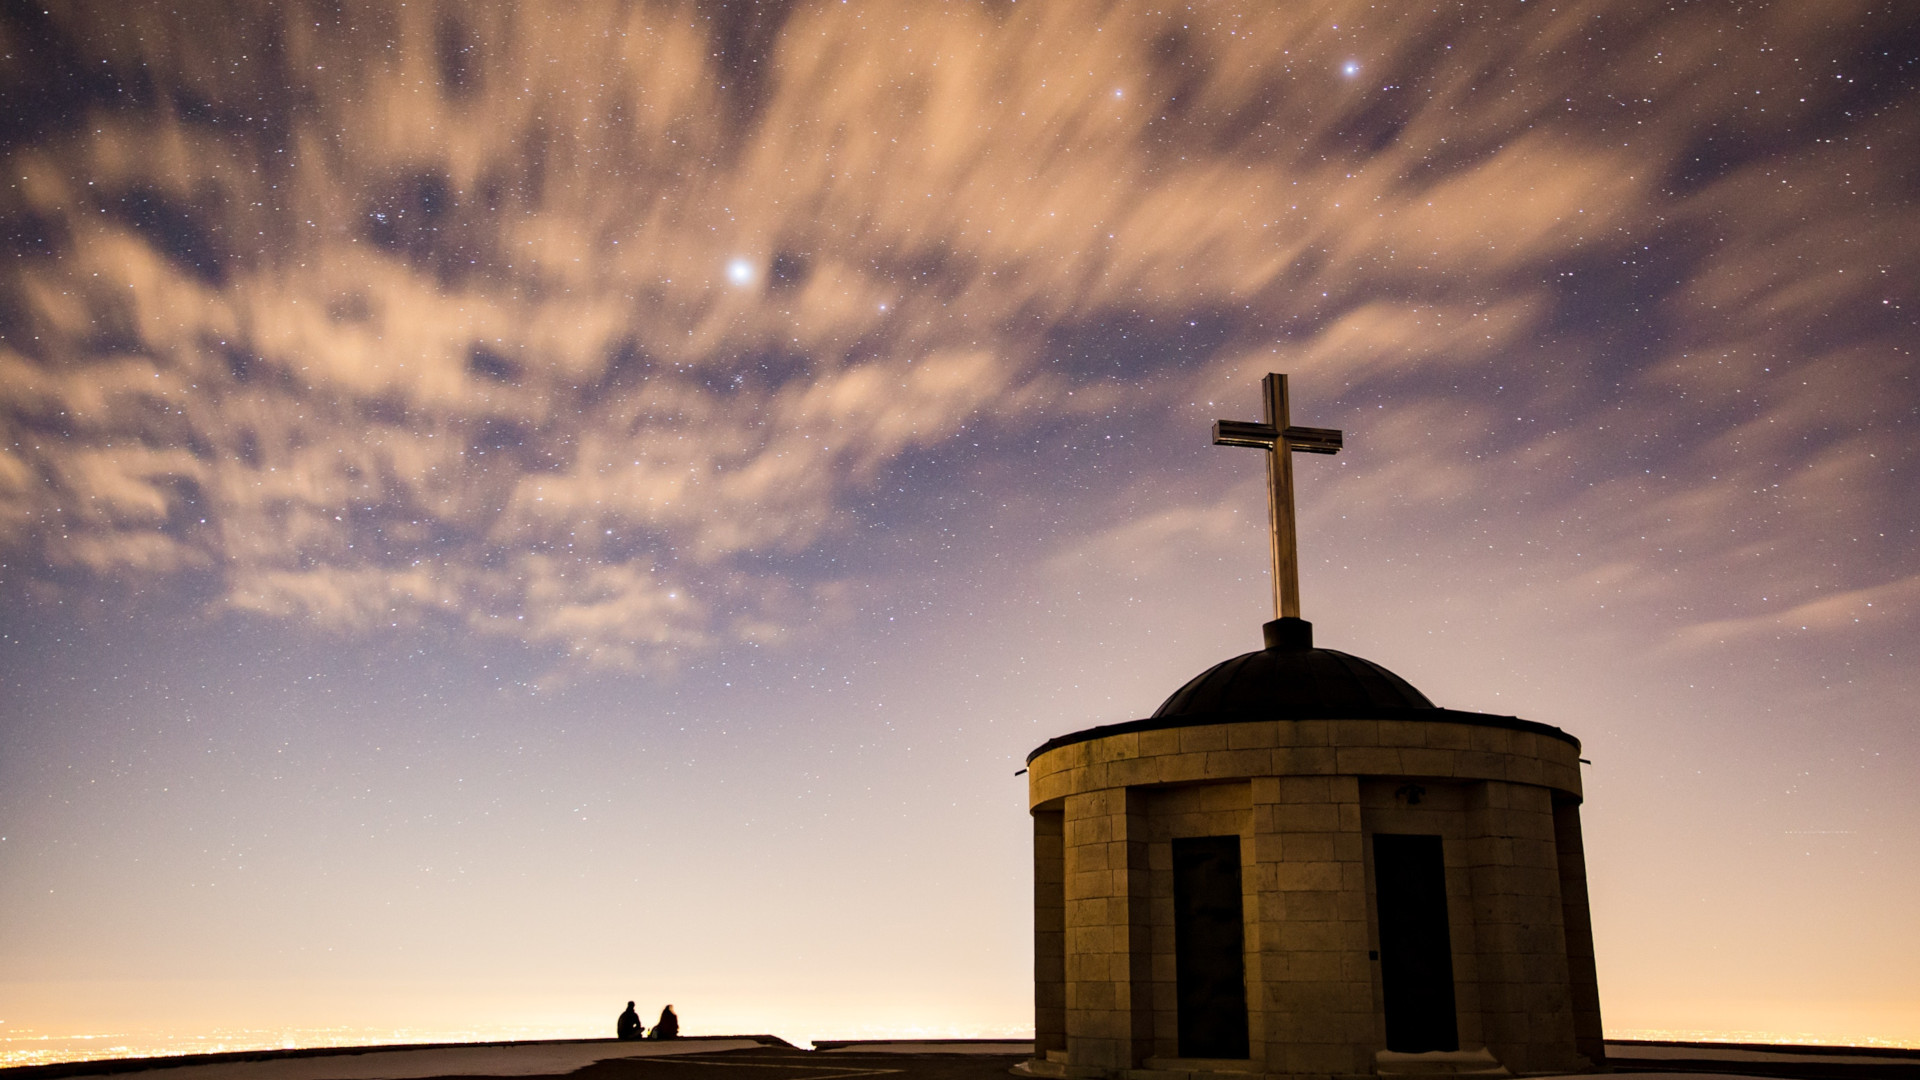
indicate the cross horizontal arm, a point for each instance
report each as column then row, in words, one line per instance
column 1241, row 433
column 1312, row 440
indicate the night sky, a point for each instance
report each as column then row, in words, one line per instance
column 508, row 509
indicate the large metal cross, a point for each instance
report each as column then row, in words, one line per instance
column 1279, row 438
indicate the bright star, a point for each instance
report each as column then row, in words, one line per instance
column 741, row 271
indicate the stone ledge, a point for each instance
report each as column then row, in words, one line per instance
column 1511, row 756
column 1488, row 732
column 1054, row 1070
column 1183, row 1068
column 1439, row 1063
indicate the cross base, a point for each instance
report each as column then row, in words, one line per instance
column 1292, row 635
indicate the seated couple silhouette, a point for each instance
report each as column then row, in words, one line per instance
column 629, row 1028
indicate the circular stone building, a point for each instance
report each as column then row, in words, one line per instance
column 1301, row 866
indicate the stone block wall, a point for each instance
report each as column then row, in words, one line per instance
column 1316, row 992
column 1108, row 942
column 1526, row 1007
column 1576, row 916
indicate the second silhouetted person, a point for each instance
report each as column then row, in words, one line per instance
column 668, row 1027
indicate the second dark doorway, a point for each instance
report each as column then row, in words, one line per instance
column 1416, row 950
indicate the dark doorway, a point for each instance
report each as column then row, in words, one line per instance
column 1209, row 944
column 1416, row 952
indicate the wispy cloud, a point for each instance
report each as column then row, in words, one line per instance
column 1888, row 602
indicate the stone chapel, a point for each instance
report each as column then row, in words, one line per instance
column 1300, row 866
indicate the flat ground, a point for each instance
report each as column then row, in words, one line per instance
column 594, row 1059
column 749, row 1059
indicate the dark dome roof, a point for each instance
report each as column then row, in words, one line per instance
column 1293, row 681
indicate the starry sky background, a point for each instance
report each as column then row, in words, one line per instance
column 507, row 509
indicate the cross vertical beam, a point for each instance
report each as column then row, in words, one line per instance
column 1280, row 439
column 1285, row 542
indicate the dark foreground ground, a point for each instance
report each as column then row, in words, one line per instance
column 1765, row 1060
column 841, row 1061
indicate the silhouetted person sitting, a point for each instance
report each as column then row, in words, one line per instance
column 628, row 1027
column 668, row 1027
